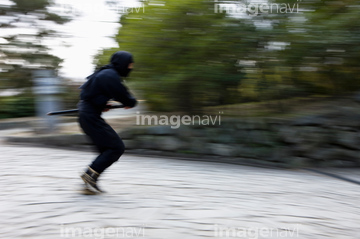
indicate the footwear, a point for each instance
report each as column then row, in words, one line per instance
column 90, row 178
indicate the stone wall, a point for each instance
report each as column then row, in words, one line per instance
column 329, row 139
column 323, row 140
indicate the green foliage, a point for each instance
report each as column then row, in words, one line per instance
column 22, row 105
column 322, row 51
column 188, row 57
column 26, row 6
column 185, row 54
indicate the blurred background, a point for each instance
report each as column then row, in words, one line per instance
column 238, row 59
column 191, row 56
column 283, row 75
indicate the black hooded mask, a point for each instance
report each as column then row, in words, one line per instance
column 105, row 83
column 120, row 61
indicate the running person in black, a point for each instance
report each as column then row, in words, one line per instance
column 103, row 85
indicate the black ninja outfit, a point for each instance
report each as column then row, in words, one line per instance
column 103, row 85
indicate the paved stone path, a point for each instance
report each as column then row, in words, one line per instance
column 157, row 198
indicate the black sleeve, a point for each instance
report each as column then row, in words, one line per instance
column 117, row 91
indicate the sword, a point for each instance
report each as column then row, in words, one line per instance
column 62, row 112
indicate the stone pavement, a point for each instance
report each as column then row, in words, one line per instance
column 157, row 198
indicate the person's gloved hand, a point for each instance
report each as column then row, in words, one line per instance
column 106, row 108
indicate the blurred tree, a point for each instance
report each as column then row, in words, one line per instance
column 24, row 25
column 322, row 46
column 185, row 54
column 188, row 56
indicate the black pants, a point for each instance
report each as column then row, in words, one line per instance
column 107, row 141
